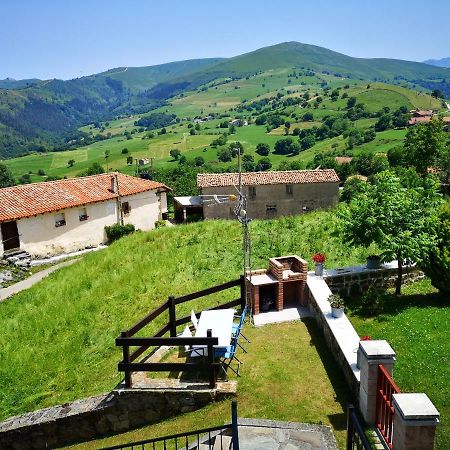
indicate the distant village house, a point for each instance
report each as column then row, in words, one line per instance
column 239, row 122
column 272, row 194
column 67, row 215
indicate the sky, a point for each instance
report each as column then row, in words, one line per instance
column 72, row 38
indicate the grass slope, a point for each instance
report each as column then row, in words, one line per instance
column 57, row 338
column 416, row 325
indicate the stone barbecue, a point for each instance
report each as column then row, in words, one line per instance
column 282, row 284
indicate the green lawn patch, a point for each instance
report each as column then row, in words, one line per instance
column 416, row 324
column 288, row 374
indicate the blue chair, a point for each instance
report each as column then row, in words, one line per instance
column 236, row 331
column 226, row 356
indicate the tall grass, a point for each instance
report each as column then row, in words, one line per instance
column 57, row 338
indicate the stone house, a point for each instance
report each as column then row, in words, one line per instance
column 272, row 194
column 67, row 215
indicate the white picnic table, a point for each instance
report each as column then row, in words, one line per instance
column 220, row 322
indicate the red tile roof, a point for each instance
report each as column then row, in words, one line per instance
column 260, row 178
column 29, row 200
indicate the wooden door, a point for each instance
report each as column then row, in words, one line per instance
column 10, row 236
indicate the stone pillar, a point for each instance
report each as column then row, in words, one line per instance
column 255, row 300
column 371, row 354
column 184, row 214
column 415, row 422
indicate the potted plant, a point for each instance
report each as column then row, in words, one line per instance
column 337, row 305
column 373, row 262
column 319, row 260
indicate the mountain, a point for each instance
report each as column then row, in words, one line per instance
column 11, row 83
column 296, row 54
column 444, row 62
column 49, row 112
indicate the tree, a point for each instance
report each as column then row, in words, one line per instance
column 95, row 169
column 436, row 264
column 425, row 144
column 353, row 187
column 6, row 177
column 396, row 156
column 334, row 95
column 351, row 102
column 129, row 160
column 224, row 155
column 307, row 142
column 71, row 162
column 175, row 153
column 124, row 151
column 399, row 220
column 199, row 161
column 263, row 164
column 437, row 93
column 235, row 147
column 41, row 172
column 308, row 117
column 263, row 149
column 248, row 163
column 384, row 122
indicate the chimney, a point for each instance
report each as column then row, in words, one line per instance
column 114, row 187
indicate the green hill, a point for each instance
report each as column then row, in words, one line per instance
column 47, row 114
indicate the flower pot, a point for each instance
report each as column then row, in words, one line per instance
column 319, row 269
column 373, row 263
column 337, row 312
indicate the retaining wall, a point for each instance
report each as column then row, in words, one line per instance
column 102, row 415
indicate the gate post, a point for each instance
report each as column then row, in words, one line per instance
column 371, row 354
column 415, row 422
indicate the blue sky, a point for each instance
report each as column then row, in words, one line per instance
column 68, row 38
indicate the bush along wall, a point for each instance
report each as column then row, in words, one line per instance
column 117, row 231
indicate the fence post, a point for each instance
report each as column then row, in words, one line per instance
column 415, row 422
column 234, row 423
column 126, row 359
column 172, row 317
column 212, row 367
column 372, row 353
column 349, row 443
column 243, row 292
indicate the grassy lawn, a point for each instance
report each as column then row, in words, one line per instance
column 57, row 338
column 417, row 325
column 288, row 374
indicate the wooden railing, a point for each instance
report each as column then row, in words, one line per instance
column 213, row 437
column 384, row 418
column 356, row 438
column 127, row 338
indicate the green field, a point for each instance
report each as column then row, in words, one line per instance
column 222, row 96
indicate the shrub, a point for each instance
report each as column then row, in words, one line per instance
column 160, row 224
column 116, row 231
column 372, row 301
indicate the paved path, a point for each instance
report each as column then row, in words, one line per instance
column 33, row 279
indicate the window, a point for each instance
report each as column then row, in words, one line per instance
column 271, row 208
column 60, row 220
column 82, row 214
column 126, row 208
column 289, row 189
column 252, row 191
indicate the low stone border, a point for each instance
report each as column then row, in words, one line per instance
column 103, row 415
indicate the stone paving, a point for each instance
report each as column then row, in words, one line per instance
column 276, row 435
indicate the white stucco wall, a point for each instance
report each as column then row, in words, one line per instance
column 39, row 236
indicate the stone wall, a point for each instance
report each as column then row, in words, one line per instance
column 102, row 415
column 339, row 334
column 356, row 280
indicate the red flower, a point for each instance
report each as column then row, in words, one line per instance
column 366, row 338
column 319, row 258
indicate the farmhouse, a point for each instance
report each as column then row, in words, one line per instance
column 272, row 194
column 68, row 215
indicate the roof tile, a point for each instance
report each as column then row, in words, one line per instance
column 29, row 200
column 260, row 178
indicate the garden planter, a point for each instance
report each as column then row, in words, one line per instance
column 319, row 269
column 337, row 312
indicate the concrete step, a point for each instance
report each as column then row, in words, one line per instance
column 224, row 444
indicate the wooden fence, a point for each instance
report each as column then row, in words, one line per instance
column 127, row 339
